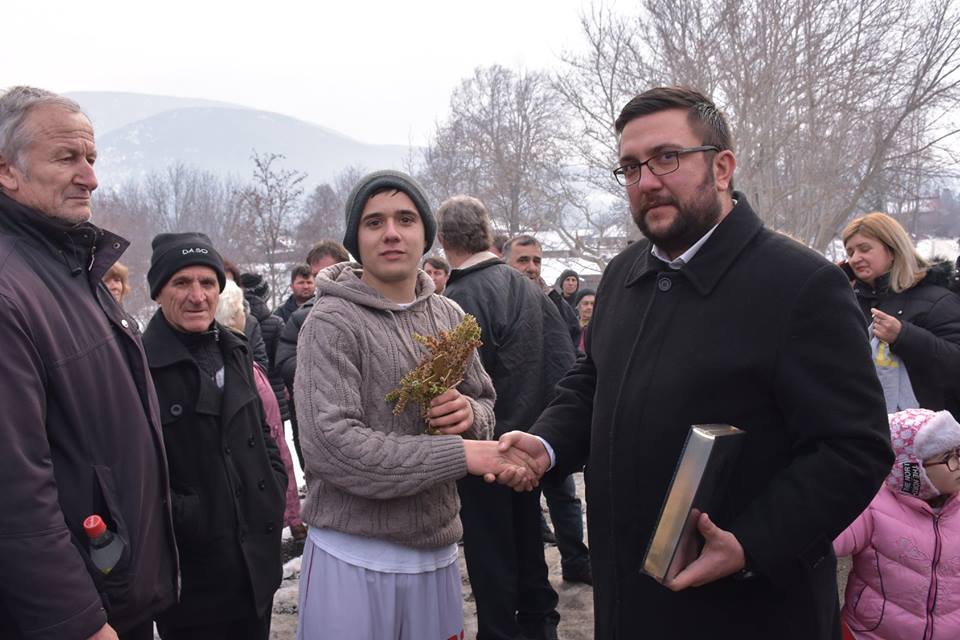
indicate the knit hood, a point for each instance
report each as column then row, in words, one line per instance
column 343, row 281
column 917, row 435
column 258, row 308
column 558, row 285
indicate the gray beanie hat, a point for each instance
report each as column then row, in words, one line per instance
column 378, row 181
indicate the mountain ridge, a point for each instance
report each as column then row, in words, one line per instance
column 139, row 134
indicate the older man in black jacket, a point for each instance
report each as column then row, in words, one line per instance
column 226, row 476
column 526, row 349
column 79, row 422
column 715, row 319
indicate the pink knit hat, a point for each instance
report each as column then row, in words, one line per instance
column 918, row 435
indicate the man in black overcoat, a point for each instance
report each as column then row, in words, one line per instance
column 227, row 480
column 715, row 319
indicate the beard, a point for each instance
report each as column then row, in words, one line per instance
column 695, row 216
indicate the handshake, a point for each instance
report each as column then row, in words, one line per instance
column 518, row 460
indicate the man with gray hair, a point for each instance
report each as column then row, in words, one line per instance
column 80, row 422
column 525, row 254
column 525, row 350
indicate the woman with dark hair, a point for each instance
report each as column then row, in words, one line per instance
column 567, row 286
column 914, row 319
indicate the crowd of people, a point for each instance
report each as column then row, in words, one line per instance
column 843, row 378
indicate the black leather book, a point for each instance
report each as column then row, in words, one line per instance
column 709, row 455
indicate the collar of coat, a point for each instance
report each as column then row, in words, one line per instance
column 713, row 260
column 83, row 248
column 165, row 349
column 456, row 274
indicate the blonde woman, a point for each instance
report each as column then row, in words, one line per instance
column 909, row 310
column 117, row 279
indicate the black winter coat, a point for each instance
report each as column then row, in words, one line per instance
column 226, row 477
column 254, row 335
column 526, row 348
column 287, row 344
column 567, row 314
column 286, row 310
column 756, row 331
column 81, row 435
column 270, row 328
column 929, row 340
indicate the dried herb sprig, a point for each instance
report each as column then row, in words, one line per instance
column 441, row 368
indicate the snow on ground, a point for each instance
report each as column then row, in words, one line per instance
column 288, row 435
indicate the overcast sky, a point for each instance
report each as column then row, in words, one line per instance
column 378, row 71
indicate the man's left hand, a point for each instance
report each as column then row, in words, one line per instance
column 722, row 556
column 450, row 413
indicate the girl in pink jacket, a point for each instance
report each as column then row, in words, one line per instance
column 905, row 581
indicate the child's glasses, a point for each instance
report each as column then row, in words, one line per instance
column 952, row 461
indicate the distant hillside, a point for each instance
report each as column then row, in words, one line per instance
column 137, row 134
column 111, row 110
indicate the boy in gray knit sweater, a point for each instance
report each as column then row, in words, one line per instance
column 382, row 504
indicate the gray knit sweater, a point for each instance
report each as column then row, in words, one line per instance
column 369, row 472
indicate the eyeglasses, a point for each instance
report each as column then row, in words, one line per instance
column 952, row 461
column 659, row 165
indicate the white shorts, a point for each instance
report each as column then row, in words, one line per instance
column 341, row 601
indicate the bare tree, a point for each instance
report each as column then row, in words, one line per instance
column 502, row 143
column 125, row 212
column 178, row 198
column 828, row 100
column 271, row 203
column 323, row 211
column 185, row 198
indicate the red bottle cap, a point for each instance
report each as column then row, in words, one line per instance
column 94, row 526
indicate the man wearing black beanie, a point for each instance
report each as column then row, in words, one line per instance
column 173, row 251
column 226, row 477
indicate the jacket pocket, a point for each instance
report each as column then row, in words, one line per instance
column 113, row 586
column 188, row 520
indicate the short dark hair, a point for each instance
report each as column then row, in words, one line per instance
column 463, row 222
column 326, row 248
column 437, row 262
column 232, row 269
column 523, row 240
column 702, row 114
column 300, row 271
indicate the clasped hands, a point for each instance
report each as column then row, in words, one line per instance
column 517, row 460
column 520, row 459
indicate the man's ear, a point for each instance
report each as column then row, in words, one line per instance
column 9, row 176
column 724, row 165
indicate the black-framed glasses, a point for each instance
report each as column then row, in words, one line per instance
column 659, row 165
column 952, row 461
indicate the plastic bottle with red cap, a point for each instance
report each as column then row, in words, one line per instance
column 105, row 547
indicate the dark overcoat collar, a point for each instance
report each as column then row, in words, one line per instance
column 164, row 350
column 456, row 274
column 83, row 248
column 714, row 258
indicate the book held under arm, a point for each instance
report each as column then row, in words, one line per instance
column 709, row 456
